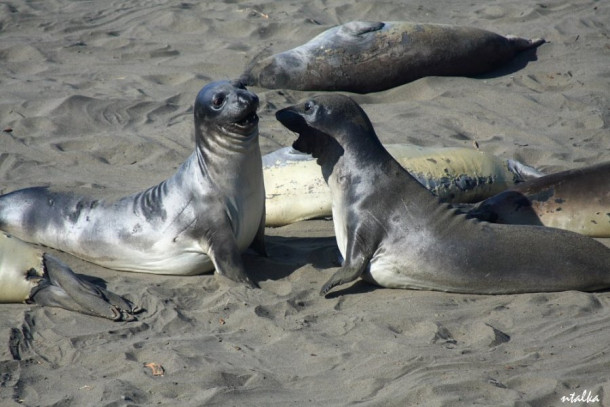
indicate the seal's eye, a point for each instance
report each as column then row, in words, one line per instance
column 308, row 106
column 218, row 100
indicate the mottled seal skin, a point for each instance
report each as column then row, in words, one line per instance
column 363, row 56
column 27, row 274
column 576, row 200
column 296, row 191
column 200, row 219
column 393, row 232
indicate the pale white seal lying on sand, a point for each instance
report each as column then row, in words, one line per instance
column 296, row 191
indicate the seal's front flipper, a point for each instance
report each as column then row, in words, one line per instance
column 62, row 288
column 227, row 259
column 360, row 246
column 346, row 274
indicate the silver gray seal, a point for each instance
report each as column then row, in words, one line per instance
column 200, row 219
column 393, row 232
column 367, row 56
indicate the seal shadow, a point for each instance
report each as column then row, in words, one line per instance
column 516, row 64
column 285, row 255
column 359, row 287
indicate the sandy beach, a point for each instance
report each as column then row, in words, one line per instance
column 98, row 96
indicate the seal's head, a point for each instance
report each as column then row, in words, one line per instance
column 278, row 72
column 327, row 122
column 227, row 107
column 281, row 71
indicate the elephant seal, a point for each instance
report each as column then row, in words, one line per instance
column 393, row 232
column 576, row 200
column 296, row 191
column 27, row 274
column 363, row 56
column 200, row 219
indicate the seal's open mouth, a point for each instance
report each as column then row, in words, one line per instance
column 314, row 143
column 309, row 141
column 250, row 120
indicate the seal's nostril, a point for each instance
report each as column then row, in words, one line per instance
column 248, row 99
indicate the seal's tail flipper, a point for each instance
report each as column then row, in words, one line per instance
column 523, row 43
column 523, row 172
column 357, row 28
column 63, row 288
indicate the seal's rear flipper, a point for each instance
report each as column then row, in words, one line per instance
column 524, row 43
column 523, row 172
column 63, row 288
column 357, row 28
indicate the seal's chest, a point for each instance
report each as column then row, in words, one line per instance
column 246, row 206
column 339, row 222
column 340, row 206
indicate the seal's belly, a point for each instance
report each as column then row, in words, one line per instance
column 398, row 267
column 399, row 264
column 180, row 264
column 121, row 241
column 385, row 271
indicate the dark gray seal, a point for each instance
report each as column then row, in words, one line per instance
column 363, row 56
column 393, row 232
column 27, row 274
column 576, row 200
column 200, row 219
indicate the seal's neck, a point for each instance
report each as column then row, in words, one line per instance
column 365, row 153
column 225, row 158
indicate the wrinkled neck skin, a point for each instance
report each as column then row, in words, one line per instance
column 228, row 163
column 228, row 159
